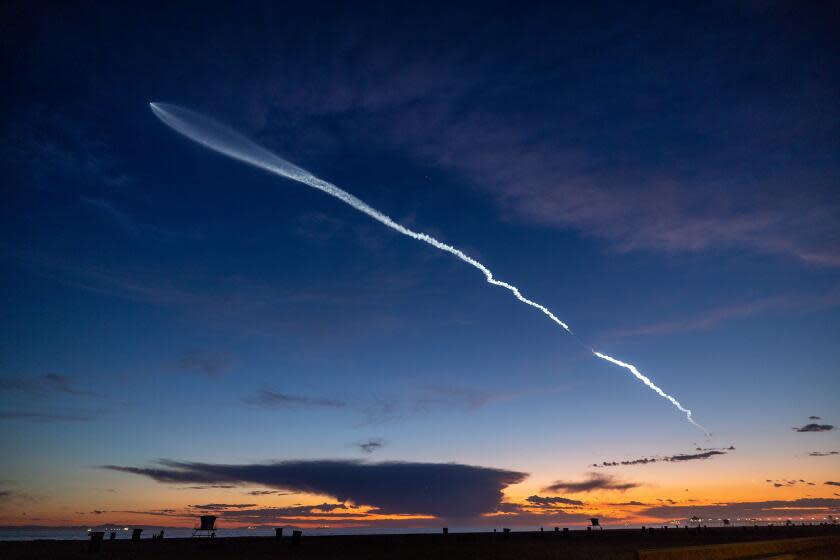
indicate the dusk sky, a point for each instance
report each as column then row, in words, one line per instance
column 184, row 333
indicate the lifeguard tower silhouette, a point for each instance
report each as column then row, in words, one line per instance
column 207, row 527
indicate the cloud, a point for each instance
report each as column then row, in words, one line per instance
column 210, row 363
column 267, row 493
column 544, row 161
column 428, row 399
column 447, row 490
column 815, row 428
column 449, row 396
column 119, row 218
column 823, row 453
column 42, row 385
column 702, row 454
column 37, row 416
column 129, row 225
column 50, row 147
column 371, row 445
column 594, row 482
column 210, row 486
column 769, row 508
column 792, row 482
column 221, row 506
column 832, row 483
column 553, row 501
column 631, row 503
column 273, row 399
column 273, row 513
column 814, row 418
column 713, row 317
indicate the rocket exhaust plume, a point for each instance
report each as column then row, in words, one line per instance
column 219, row 138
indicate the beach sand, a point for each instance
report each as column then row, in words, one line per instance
column 607, row 545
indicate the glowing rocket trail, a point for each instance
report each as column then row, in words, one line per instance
column 219, row 138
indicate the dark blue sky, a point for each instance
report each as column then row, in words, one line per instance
column 665, row 178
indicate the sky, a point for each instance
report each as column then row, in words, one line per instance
column 185, row 334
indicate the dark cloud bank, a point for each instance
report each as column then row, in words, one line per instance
column 446, row 490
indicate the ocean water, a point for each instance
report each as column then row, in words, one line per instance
column 123, row 533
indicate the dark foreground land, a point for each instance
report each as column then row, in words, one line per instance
column 823, row 543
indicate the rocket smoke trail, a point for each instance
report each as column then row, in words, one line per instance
column 219, row 138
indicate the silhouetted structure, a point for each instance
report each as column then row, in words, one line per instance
column 207, row 527
column 113, row 535
column 296, row 537
column 446, row 530
column 95, row 541
column 278, row 533
column 135, row 534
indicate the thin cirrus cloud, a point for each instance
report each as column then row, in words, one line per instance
column 42, row 416
column 554, row 171
column 266, row 398
column 42, row 385
column 208, row 362
column 445, row 490
column 711, row 318
column 594, row 482
column 823, row 453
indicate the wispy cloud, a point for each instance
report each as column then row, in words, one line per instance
column 781, row 483
column 427, row 399
column 545, row 162
column 208, row 362
column 712, row 318
column 700, row 455
column 43, row 385
column 823, row 453
column 273, row 399
column 44, row 144
column 371, row 445
column 44, row 416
